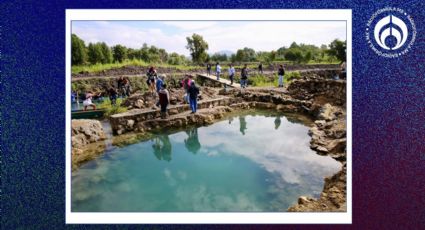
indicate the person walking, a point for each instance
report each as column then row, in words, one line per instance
column 193, row 96
column 208, row 69
column 244, row 76
column 231, row 73
column 218, row 70
column 164, row 100
column 260, row 68
column 281, row 73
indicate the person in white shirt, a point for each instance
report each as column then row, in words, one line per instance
column 87, row 102
column 218, row 70
column 231, row 73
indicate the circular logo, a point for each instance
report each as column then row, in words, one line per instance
column 390, row 32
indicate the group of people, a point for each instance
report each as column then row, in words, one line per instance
column 156, row 83
column 191, row 92
column 244, row 73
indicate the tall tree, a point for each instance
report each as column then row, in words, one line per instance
column 338, row 49
column 94, row 53
column 197, row 47
column 119, row 53
column 78, row 51
column 106, row 53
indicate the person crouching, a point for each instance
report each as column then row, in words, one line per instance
column 164, row 100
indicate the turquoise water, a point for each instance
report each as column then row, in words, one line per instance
column 247, row 163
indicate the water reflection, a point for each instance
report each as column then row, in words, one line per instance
column 242, row 123
column 162, row 147
column 192, row 142
column 277, row 122
column 265, row 169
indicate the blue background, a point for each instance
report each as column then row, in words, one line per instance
column 388, row 114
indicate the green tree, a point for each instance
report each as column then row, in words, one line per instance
column 106, row 53
column 78, row 50
column 307, row 57
column 198, row 48
column 119, row 53
column 94, row 52
column 218, row 57
column 176, row 59
column 338, row 49
column 246, row 54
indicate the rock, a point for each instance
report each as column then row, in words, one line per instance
column 327, row 112
column 304, row 200
column 86, row 131
column 130, row 123
column 139, row 104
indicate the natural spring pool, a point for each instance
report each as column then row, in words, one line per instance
column 254, row 161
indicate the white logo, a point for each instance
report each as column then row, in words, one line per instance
column 390, row 32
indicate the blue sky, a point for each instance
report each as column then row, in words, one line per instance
column 220, row 35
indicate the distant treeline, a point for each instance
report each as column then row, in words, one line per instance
column 100, row 52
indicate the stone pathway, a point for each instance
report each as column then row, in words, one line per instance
column 222, row 80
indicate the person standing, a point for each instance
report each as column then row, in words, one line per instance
column 151, row 80
column 113, row 95
column 127, row 86
column 186, row 84
column 231, row 73
column 281, row 73
column 218, row 70
column 120, row 85
column 244, row 76
column 193, row 96
column 159, row 85
column 164, row 100
column 260, row 68
column 208, row 69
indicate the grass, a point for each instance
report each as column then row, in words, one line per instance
column 110, row 109
column 101, row 67
column 261, row 80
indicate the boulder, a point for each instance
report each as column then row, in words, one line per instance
column 86, row 131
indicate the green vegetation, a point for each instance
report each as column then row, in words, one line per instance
column 110, row 109
column 261, row 80
column 198, row 48
column 98, row 56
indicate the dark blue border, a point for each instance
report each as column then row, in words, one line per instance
column 388, row 114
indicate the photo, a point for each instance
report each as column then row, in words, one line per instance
column 208, row 116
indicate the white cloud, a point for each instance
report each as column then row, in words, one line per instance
column 171, row 35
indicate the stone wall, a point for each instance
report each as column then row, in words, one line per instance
column 331, row 91
column 127, row 122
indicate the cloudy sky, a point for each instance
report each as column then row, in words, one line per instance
column 220, row 35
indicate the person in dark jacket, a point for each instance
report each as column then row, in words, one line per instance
column 260, row 68
column 208, row 69
column 193, row 92
column 164, row 100
column 244, row 76
column 113, row 94
column 281, row 73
